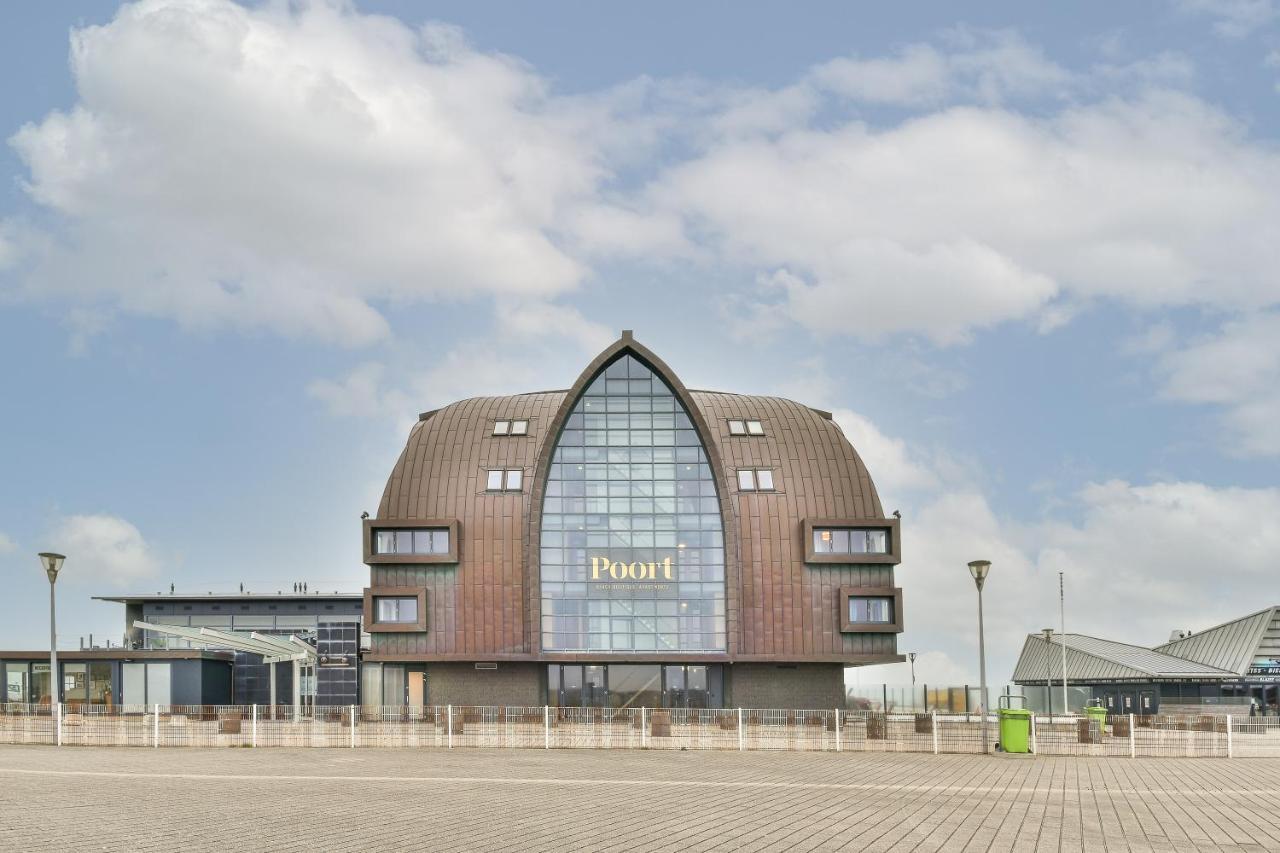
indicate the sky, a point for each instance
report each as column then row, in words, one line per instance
column 1026, row 255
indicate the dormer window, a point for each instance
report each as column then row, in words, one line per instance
column 511, row 427
column 504, row 480
column 745, row 427
column 755, row 480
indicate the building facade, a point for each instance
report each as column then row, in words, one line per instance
column 627, row 542
column 173, row 663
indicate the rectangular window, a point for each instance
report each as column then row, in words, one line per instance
column 737, row 428
column 509, row 480
column 396, row 609
column 868, row 610
column 423, row 540
column 501, row 427
column 754, row 428
column 519, row 427
column 850, row 540
column 755, row 480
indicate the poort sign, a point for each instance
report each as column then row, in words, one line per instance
column 604, row 569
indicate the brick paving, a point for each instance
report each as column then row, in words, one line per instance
column 335, row 800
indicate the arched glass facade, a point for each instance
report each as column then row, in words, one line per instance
column 632, row 539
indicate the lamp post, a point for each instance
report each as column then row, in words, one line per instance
column 979, row 569
column 52, row 565
column 911, row 656
column 1048, row 667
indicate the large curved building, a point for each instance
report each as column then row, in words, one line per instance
column 627, row 542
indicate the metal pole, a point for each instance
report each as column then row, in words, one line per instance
column 933, row 716
column 450, row 711
column 982, row 671
column 57, row 724
column 837, row 729
column 546, row 726
column 1062, row 640
column 254, row 726
column 155, row 725
column 1033, row 734
column 1133, row 746
column 644, row 732
column 741, row 740
column 353, row 726
column 1229, row 749
column 55, row 679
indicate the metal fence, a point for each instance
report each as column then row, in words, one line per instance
column 550, row 727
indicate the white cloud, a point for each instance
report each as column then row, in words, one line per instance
column 964, row 218
column 295, row 165
column 7, row 545
column 896, row 471
column 979, row 65
column 360, row 393
column 1237, row 368
column 105, row 548
column 1233, row 18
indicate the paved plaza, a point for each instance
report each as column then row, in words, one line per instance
column 332, row 799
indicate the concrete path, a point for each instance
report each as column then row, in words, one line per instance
column 336, row 800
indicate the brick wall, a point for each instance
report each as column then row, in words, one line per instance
column 805, row 685
column 463, row 684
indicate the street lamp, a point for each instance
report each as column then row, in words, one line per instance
column 979, row 569
column 911, row 656
column 52, row 565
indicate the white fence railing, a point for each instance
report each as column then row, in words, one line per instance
column 550, row 727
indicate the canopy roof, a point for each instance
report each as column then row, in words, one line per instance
column 1093, row 660
column 1232, row 645
column 273, row 648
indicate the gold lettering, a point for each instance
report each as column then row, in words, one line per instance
column 602, row 568
column 618, row 571
column 598, row 563
column 666, row 568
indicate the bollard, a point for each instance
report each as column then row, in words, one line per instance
column 1033, row 734
column 644, row 733
column 353, row 726
column 741, row 740
column 1229, row 749
column 546, row 726
column 934, row 715
column 57, row 724
column 449, row 708
column 253, row 727
column 1133, row 744
column 837, row 729
column 155, row 726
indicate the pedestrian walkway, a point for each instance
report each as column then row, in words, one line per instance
column 336, row 800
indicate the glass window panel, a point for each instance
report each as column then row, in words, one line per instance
column 15, row 678
column 158, row 692
column 754, row 428
column 877, row 541
column 494, row 482
column 515, row 478
column 384, row 542
column 501, row 427
column 519, row 427
column 737, row 428
column 396, row 609
column 764, row 480
column 747, row 481
column 873, row 610
column 631, row 518
column 133, row 688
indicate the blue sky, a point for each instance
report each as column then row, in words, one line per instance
column 1027, row 256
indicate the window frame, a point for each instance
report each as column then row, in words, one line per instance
column 501, row 427
column 892, row 556
column 524, row 430
column 373, row 526
column 848, row 626
column 742, row 427
column 379, row 599
column 373, row 593
column 755, row 487
column 504, row 480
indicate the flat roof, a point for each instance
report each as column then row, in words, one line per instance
column 119, row 654
column 232, row 596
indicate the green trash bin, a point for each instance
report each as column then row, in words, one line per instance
column 1097, row 714
column 1015, row 727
